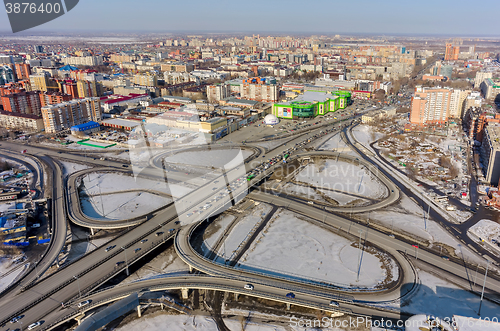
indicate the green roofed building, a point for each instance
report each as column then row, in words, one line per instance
column 312, row 104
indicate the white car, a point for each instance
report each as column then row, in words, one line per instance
column 83, row 303
column 248, row 287
column 34, row 325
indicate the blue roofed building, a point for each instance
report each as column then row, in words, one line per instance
column 86, row 127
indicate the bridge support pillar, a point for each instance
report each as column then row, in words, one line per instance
column 236, row 295
column 139, row 311
column 79, row 318
column 185, row 293
column 161, row 304
column 191, row 269
column 92, row 231
column 57, row 261
column 288, row 306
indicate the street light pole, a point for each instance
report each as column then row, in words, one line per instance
column 359, row 256
column 484, row 284
column 78, row 282
column 126, row 261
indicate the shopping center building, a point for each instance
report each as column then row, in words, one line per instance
column 312, row 103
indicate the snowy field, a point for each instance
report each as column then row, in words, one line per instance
column 408, row 217
column 486, row 229
column 70, row 167
column 442, row 299
column 122, row 205
column 159, row 322
column 303, row 192
column 9, row 271
column 344, row 177
column 221, row 225
column 308, row 251
column 241, row 231
column 165, row 263
column 215, row 158
column 98, row 183
column 337, row 144
column 363, row 134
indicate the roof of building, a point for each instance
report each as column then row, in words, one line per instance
column 29, row 116
column 121, row 122
column 313, row 97
column 68, row 68
column 85, row 126
column 241, row 101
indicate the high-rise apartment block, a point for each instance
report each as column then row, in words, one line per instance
column 23, row 103
column 63, row 116
column 430, row 105
column 218, row 92
column 23, row 71
column 6, row 75
column 481, row 76
column 452, row 52
column 260, row 89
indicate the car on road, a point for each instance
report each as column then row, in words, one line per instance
column 334, row 303
column 110, row 248
column 310, row 202
column 124, row 165
column 16, row 319
column 392, row 236
column 143, row 241
column 177, row 222
column 248, row 287
column 159, row 233
column 83, row 303
column 416, row 246
column 445, row 258
column 34, row 325
column 119, row 263
column 290, row 295
column 137, row 249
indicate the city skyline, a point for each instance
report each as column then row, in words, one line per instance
column 359, row 17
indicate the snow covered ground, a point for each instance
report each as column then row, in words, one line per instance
column 221, row 225
column 335, row 143
column 342, row 176
column 303, row 191
column 442, row 299
column 165, row 263
column 174, row 322
column 9, row 271
column 98, row 183
column 159, row 322
column 70, row 167
column 343, row 199
column 308, row 251
column 408, row 217
column 363, row 134
column 217, row 158
column 241, row 231
column 122, row 205
column 271, row 144
column 487, row 230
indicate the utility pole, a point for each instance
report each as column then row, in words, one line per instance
column 78, row 282
column 359, row 256
column 484, row 284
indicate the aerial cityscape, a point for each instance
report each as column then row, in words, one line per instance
column 232, row 170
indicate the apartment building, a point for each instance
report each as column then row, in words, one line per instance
column 21, row 121
column 63, row 116
column 218, row 92
column 491, row 156
column 480, row 77
column 83, row 60
column 23, row 103
column 430, row 105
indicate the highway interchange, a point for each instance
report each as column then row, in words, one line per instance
column 53, row 298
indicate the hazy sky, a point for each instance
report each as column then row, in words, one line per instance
column 308, row 16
